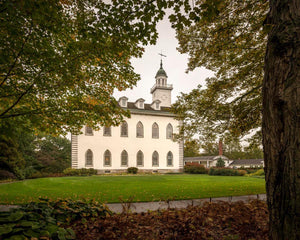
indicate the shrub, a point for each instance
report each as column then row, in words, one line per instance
column 242, row 172
column 195, row 168
column 132, row 170
column 80, row 172
column 37, row 175
column 224, row 172
column 45, row 174
column 46, row 219
column 6, row 175
column 250, row 170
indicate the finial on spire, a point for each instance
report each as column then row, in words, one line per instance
column 161, row 55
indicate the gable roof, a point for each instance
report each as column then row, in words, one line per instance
column 247, row 162
column 205, row 158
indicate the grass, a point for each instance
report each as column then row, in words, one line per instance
column 121, row 188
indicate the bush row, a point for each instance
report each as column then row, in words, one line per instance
column 226, row 172
column 80, row 172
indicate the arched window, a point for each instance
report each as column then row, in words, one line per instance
column 139, row 130
column 107, row 131
column 124, row 129
column 155, row 159
column 107, row 158
column 124, row 158
column 88, row 131
column 170, row 159
column 89, row 158
column 140, row 159
column 169, row 131
column 155, row 131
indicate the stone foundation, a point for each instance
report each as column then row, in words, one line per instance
column 103, row 171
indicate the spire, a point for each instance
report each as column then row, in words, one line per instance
column 161, row 71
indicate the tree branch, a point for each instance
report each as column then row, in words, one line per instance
column 246, row 94
column 17, row 101
column 17, row 57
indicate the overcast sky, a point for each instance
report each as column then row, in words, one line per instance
column 174, row 64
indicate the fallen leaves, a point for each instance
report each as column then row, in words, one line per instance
column 220, row 220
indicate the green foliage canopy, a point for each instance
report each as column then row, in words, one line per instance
column 191, row 148
column 61, row 60
column 228, row 38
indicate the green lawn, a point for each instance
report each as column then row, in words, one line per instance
column 143, row 188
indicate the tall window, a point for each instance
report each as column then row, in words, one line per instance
column 124, row 158
column 169, row 131
column 140, row 159
column 155, row 131
column 124, row 129
column 88, row 131
column 155, row 159
column 107, row 158
column 89, row 158
column 139, row 130
column 107, row 131
column 170, row 159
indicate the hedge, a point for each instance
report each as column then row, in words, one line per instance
column 195, row 168
column 225, row 172
column 80, row 172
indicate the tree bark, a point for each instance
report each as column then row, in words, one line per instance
column 281, row 119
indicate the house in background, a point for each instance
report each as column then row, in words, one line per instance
column 145, row 140
column 209, row 161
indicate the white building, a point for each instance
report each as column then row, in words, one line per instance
column 145, row 140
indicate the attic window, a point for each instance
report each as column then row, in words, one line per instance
column 141, row 104
column 157, row 105
column 123, row 102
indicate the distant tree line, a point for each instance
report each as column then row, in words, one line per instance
column 25, row 154
column 232, row 149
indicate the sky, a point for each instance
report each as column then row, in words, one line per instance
column 175, row 65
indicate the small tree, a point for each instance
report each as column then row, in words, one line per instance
column 220, row 163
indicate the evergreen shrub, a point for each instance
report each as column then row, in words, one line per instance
column 220, row 163
column 195, row 168
column 132, row 170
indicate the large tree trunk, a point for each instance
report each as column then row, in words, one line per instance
column 281, row 119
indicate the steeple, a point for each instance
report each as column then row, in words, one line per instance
column 161, row 71
column 162, row 90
